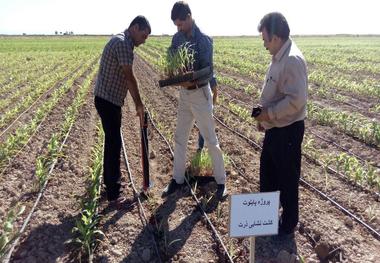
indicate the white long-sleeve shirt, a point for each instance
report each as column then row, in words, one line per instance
column 284, row 91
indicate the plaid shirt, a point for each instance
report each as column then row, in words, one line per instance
column 111, row 84
column 202, row 46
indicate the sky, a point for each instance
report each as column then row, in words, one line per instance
column 236, row 17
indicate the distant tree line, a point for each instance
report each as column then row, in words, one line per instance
column 64, row 33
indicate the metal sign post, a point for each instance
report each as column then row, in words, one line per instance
column 252, row 241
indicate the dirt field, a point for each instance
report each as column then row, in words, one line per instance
column 175, row 229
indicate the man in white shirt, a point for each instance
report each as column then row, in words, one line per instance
column 283, row 101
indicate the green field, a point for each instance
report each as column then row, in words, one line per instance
column 46, row 88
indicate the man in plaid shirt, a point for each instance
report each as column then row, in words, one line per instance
column 115, row 78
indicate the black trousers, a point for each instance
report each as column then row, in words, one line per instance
column 110, row 115
column 280, row 168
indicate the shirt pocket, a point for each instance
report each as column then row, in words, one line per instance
column 270, row 89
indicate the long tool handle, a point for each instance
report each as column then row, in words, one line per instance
column 145, row 152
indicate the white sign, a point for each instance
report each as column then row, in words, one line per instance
column 254, row 214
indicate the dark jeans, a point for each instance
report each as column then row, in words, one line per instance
column 280, row 168
column 110, row 115
column 201, row 141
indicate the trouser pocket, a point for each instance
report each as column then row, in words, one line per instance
column 207, row 92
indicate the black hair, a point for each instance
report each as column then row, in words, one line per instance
column 142, row 22
column 180, row 11
column 275, row 24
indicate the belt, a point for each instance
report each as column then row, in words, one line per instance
column 197, row 86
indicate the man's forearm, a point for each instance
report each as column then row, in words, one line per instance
column 213, row 89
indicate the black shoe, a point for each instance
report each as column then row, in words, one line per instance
column 118, row 203
column 284, row 235
column 171, row 188
column 221, row 191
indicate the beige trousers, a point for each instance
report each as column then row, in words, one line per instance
column 196, row 105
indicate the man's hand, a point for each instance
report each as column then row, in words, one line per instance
column 140, row 112
column 187, row 84
column 263, row 115
column 140, row 109
column 260, row 128
column 214, row 96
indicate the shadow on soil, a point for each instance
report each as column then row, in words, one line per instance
column 46, row 243
column 169, row 241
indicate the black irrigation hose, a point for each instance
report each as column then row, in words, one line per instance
column 34, row 133
column 42, row 95
column 309, row 186
column 342, row 148
column 215, row 232
column 312, row 188
column 251, row 142
column 242, row 174
column 91, row 255
column 22, row 148
column 344, row 102
column 375, row 195
column 54, row 86
column 309, row 158
column 235, row 99
column 314, row 133
column 135, row 192
column 375, row 233
column 26, row 222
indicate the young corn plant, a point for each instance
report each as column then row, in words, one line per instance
column 219, row 214
column 375, row 109
column 325, row 167
column 8, row 233
column 86, row 229
column 201, row 164
column 179, row 61
column 232, row 250
column 356, row 171
column 205, row 200
column 43, row 162
column 167, row 244
column 301, row 259
column 16, row 141
column 41, row 171
column 152, row 202
column 86, row 226
column 371, row 213
column 309, row 148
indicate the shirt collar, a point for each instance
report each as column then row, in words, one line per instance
column 194, row 30
column 282, row 50
column 128, row 39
